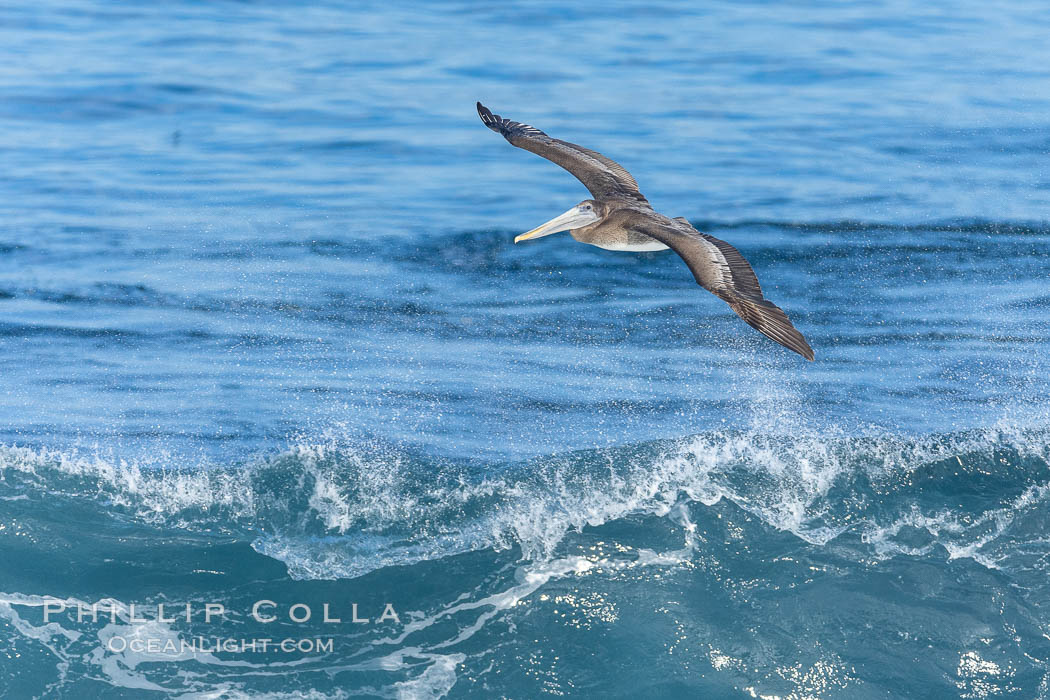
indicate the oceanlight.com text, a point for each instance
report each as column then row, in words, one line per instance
column 210, row 645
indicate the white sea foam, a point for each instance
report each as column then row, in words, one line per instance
column 435, row 682
column 331, row 510
column 473, row 615
column 960, row 535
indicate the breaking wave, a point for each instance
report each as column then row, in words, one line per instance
column 331, row 510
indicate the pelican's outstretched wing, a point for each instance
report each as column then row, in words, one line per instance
column 720, row 268
column 605, row 178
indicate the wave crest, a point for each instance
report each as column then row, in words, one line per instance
column 330, row 509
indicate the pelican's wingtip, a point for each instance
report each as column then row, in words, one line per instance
column 800, row 346
column 489, row 119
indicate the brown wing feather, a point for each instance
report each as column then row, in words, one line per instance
column 743, row 276
column 720, row 268
column 771, row 321
column 602, row 176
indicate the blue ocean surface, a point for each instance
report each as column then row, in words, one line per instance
column 267, row 347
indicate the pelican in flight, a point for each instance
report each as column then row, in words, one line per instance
column 621, row 218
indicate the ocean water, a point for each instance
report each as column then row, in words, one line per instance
column 266, row 344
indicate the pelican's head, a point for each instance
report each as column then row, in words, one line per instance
column 583, row 214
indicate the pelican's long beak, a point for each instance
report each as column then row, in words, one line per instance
column 577, row 217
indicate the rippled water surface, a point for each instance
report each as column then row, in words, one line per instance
column 264, row 335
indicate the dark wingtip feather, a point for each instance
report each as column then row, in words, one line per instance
column 771, row 321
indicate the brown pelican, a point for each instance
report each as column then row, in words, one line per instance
column 621, row 218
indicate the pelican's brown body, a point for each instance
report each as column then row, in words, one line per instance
column 614, row 232
column 621, row 218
